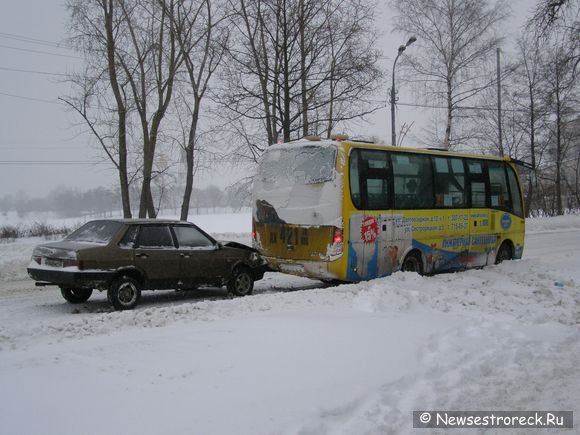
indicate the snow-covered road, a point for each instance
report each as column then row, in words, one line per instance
column 296, row 358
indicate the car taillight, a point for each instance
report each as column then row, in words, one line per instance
column 253, row 230
column 71, row 263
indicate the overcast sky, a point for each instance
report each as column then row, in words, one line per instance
column 40, row 147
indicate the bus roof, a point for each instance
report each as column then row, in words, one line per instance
column 349, row 143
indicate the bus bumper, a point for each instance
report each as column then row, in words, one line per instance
column 309, row 269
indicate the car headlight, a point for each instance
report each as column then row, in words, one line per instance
column 257, row 259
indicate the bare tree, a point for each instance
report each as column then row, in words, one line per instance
column 299, row 67
column 95, row 27
column 560, row 94
column 454, row 39
column 150, row 64
column 202, row 40
column 131, row 53
column 529, row 71
column 559, row 17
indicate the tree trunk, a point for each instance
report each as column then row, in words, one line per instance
column 531, row 180
column 559, row 207
column 121, row 110
column 447, row 139
column 303, row 72
column 189, row 154
column 286, row 81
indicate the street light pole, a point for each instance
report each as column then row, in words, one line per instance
column 394, row 91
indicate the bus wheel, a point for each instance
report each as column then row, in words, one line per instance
column 504, row 253
column 412, row 263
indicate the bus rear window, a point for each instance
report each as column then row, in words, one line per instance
column 300, row 165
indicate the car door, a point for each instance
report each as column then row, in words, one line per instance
column 157, row 256
column 199, row 256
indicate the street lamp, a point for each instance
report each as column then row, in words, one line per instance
column 394, row 92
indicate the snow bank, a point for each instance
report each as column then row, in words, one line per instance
column 297, row 358
column 556, row 223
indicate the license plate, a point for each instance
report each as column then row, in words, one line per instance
column 291, row 268
column 52, row 262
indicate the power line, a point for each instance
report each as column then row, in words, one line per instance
column 93, row 162
column 28, row 50
column 24, row 147
column 22, row 97
column 47, row 162
column 487, row 108
column 31, row 40
column 29, row 71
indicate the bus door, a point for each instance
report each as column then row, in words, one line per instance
column 371, row 224
column 451, row 247
column 480, row 231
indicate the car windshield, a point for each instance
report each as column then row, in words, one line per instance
column 95, row 232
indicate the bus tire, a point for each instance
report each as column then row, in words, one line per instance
column 504, row 253
column 413, row 263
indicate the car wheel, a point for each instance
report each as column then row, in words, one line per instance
column 241, row 282
column 124, row 293
column 504, row 253
column 76, row 295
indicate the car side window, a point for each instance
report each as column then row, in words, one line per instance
column 155, row 236
column 191, row 237
column 130, row 237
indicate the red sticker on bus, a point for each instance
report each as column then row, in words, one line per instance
column 369, row 229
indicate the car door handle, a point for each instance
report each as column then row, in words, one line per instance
column 141, row 255
column 185, row 255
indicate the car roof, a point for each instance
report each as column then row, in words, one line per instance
column 137, row 221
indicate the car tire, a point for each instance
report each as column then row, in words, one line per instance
column 241, row 283
column 76, row 295
column 124, row 293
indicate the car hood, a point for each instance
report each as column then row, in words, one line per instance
column 237, row 245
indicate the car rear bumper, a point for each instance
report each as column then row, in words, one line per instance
column 72, row 278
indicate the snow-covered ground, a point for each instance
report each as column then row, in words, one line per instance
column 296, row 357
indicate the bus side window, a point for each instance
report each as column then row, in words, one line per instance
column 500, row 197
column 413, row 181
column 369, row 179
column 477, row 183
column 354, row 179
column 515, row 192
column 449, row 182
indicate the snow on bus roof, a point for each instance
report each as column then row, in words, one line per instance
column 333, row 143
